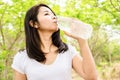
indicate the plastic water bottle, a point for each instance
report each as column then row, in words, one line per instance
column 75, row 27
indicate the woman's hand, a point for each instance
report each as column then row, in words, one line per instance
column 70, row 34
column 80, row 40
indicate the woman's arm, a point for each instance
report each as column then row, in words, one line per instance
column 85, row 65
column 19, row 76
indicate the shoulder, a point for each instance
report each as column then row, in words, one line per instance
column 20, row 55
column 19, row 61
column 71, row 48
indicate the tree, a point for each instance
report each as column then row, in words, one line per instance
column 95, row 12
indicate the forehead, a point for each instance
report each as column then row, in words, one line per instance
column 44, row 9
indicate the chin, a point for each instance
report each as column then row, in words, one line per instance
column 55, row 28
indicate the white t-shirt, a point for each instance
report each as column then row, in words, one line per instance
column 60, row 69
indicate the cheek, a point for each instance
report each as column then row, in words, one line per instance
column 44, row 22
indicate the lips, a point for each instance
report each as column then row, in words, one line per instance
column 55, row 21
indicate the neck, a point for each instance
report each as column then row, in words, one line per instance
column 46, row 41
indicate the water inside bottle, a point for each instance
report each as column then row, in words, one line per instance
column 75, row 27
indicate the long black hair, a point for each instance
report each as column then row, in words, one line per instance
column 33, row 40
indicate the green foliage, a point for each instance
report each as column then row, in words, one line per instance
column 62, row 36
column 93, row 12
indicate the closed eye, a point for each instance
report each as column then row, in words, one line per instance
column 46, row 14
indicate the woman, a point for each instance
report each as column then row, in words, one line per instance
column 46, row 57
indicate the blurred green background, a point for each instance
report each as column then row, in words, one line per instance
column 103, row 15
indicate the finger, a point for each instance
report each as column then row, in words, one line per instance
column 67, row 33
column 70, row 35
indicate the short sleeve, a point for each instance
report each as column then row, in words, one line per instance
column 72, row 50
column 19, row 62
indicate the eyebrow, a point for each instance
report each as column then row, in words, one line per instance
column 49, row 11
column 45, row 11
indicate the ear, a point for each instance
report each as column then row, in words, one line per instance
column 33, row 25
column 36, row 25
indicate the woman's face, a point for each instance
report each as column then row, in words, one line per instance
column 47, row 20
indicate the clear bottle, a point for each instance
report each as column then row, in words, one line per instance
column 75, row 27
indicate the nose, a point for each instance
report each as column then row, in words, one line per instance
column 54, row 17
